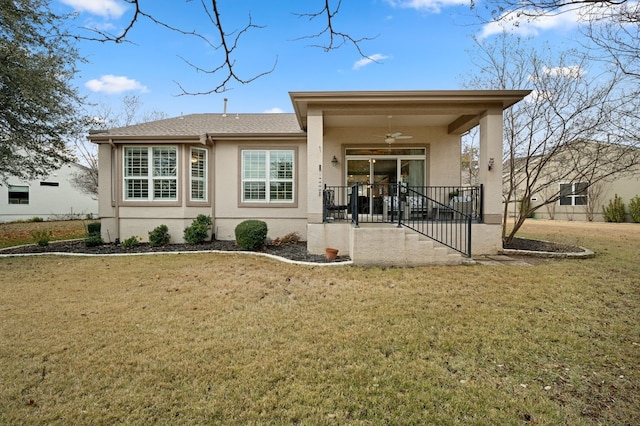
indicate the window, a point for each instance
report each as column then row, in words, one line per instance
column 198, row 174
column 18, row 194
column 150, row 173
column 267, row 176
column 49, row 183
column 573, row 194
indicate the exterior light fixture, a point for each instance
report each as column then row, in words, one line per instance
column 334, row 161
column 491, row 163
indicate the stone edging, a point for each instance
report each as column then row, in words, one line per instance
column 271, row 256
column 585, row 254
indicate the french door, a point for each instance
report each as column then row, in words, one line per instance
column 378, row 170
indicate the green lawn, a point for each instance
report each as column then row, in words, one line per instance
column 231, row 339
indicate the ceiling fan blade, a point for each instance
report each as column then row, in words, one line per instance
column 403, row 137
column 394, row 134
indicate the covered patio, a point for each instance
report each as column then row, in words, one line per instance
column 387, row 165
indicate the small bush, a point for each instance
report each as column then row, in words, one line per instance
column 290, row 238
column 614, row 212
column 251, row 234
column 159, row 236
column 131, row 242
column 198, row 231
column 93, row 240
column 42, row 238
column 35, row 219
column 634, row 209
column 93, row 228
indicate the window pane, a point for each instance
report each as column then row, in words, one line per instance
column 136, row 161
column 580, row 200
column 581, row 188
column 164, row 189
column 137, row 189
column 164, row 161
column 18, row 194
column 565, row 192
column 281, row 191
column 254, row 164
column 198, row 174
column 255, row 191
column 281, row 165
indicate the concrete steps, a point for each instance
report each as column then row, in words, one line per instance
column 393, row 246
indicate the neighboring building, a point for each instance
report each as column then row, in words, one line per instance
column 337, row 171
column 573, row 195
column 50, row 198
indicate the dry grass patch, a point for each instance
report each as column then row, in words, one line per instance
column 242, row 340
column 18, row 233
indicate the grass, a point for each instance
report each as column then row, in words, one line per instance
column 229, row 339
column 18, row 233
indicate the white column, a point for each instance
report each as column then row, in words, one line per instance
column 315, row 167
column 491, row 152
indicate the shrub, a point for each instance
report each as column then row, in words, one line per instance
column 35, row 219
column 131, row 242
column 42, row 238
column 159, row 236
column 634, row 209
column 614, row 212
column 290, row 238
column 93, row 237
column 198, row 231
column 93, row 240
column 93, row 228
column 251, row 234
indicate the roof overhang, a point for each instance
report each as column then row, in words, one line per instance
column 458, row 110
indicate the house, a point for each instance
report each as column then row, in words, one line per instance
column 375, row 174
column 578, row 180
column 53, row 197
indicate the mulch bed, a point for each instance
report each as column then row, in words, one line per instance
column 546, row 246
column 293, row 251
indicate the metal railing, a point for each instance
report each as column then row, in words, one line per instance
column 442, row 213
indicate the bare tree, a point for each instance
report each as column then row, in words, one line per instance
column 469, row 158
column 548, row 136
column 104, row 117
column 613, row 26
column 217, row 36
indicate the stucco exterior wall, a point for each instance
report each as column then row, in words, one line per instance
column 49, row 202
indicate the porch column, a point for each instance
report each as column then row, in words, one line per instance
column 314, row 165
column 491, row 148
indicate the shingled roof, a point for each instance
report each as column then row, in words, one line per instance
column 214, row 125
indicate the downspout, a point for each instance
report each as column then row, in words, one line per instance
column 116, row 186
column 211, row 183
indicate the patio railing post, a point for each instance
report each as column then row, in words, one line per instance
column 355, row 191
column 399, row 201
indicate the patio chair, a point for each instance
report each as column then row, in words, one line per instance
column 337, row 211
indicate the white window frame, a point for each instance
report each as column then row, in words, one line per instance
column 198, row 174
column 14, row 189
column 150, row 172
column 264, row 178
column 574, row 195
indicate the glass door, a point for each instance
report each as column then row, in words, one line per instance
column 378, row 171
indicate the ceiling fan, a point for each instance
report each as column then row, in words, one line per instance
column 391, row 137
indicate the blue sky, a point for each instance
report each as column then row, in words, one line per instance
column 418, row 44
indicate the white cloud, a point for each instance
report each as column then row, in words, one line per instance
column 518, row 23
column 430, row 6
column 114, row 84
column 573, row 71
column 369, row 60
column 104, row 8
column 274, row 110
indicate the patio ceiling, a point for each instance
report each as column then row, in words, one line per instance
column 459, row 110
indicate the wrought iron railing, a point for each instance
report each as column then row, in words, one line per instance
column 442, row 213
